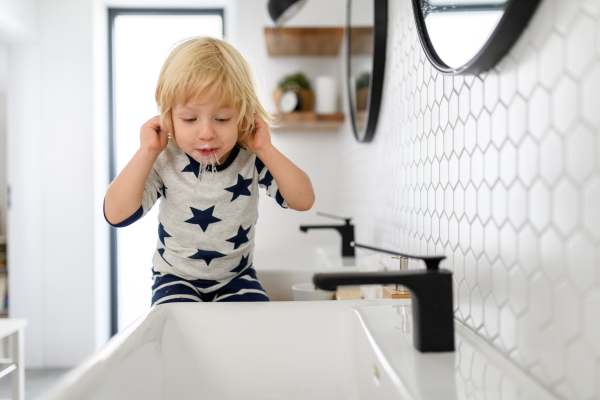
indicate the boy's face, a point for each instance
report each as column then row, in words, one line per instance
column 203, row 130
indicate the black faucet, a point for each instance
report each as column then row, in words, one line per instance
column 347, row 232
column 431, row 293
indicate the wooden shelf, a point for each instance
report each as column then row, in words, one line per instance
column 309, row 121
column 303, row 41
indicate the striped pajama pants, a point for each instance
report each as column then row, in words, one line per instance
column 169, row 288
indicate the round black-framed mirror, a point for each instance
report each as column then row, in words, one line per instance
column 366, row 38
column 469, row 36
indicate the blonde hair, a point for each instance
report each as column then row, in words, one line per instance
column 209, row 67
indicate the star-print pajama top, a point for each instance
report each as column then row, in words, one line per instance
column 205, row 231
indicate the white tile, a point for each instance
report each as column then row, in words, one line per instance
column 484, row 275
column 492, row 241
column 491, row 90
column 580, row 153
column 458, row 266
column 464, row 104
column 476, row 97
column 526, row 72
column 453, row 109
column 464, row 168
column 542, row 22
column 528, row 161
column 448, row 86
column 491, row 317
column 590, row 95
column 470, row 134
column 591, row 7
column 476, row 239
column 529, row 342
column 518, row 298
column 551, row 60
column 580, row 370
column 499, row 125
column 499, row 203
column 538, row 113
column 553, row 354
column 459, row 138
column 508, row 163
column 517, row 119
column 459, row 201
column 542, row 300
column 528, row 246
column 564, row 104
column 552, row 255
column 484, row 202
column 484, row 130
column 551, row 157
column 444, row 171
column 453, row 172
column 539, row 205
column 444, row 113
column 444, row 229
column 517, row 204
column 464, row 234
column 477, row 167
column 591, row 207
column 448, row 141
column 439, row 88
column 580, row 256
column 508, row 329
column 492, row 165
column 470, row 270
column 591, row 322
column 565, row 206
column 453, row 232
column 435, row 173
column 470, row 202
column 566, row 310
column 579, row 48
column 508, row 244
column 500, row 282
column 508, row 79
column 477, row 308
column 566, row 12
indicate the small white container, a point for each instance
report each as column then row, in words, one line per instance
column 326, row 95
column 306, row 292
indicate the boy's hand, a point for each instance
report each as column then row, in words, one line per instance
column 260, row 139
column 153, row 137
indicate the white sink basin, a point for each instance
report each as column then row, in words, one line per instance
column 289, row 350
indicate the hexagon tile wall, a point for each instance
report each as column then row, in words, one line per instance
column 500, row 172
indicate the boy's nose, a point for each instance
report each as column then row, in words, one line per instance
column 205, row 132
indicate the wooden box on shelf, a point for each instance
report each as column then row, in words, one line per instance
column 309, row 121
column 303, row 41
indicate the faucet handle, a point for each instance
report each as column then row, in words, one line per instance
column 322, row 214
column 431, row 262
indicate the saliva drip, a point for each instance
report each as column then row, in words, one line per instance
column 212, row 159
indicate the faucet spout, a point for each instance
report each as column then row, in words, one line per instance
column 431, row 293
column 346, row 231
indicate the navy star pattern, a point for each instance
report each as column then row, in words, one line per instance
column 240, row 188
column 162, row 254
column 206, row 255
column 162, row 234
column 240, row 238
column 267, row 180
column 193, row 166
column 203, row 217
column 259, row 165
column 243, row 263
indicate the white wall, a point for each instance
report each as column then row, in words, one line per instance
column 499, row 172
column 3, row 164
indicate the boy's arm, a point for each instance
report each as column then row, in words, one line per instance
column 125, row 194
column 293, row 183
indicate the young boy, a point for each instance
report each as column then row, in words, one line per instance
column 210, row 117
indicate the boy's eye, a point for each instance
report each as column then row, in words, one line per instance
column 223, row 119
column 189, row 119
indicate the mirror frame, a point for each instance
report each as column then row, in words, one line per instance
column 377, row 73
column 516, row 17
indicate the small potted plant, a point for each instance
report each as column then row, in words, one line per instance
column 298, row 94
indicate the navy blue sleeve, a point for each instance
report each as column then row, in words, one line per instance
column 136, row 215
